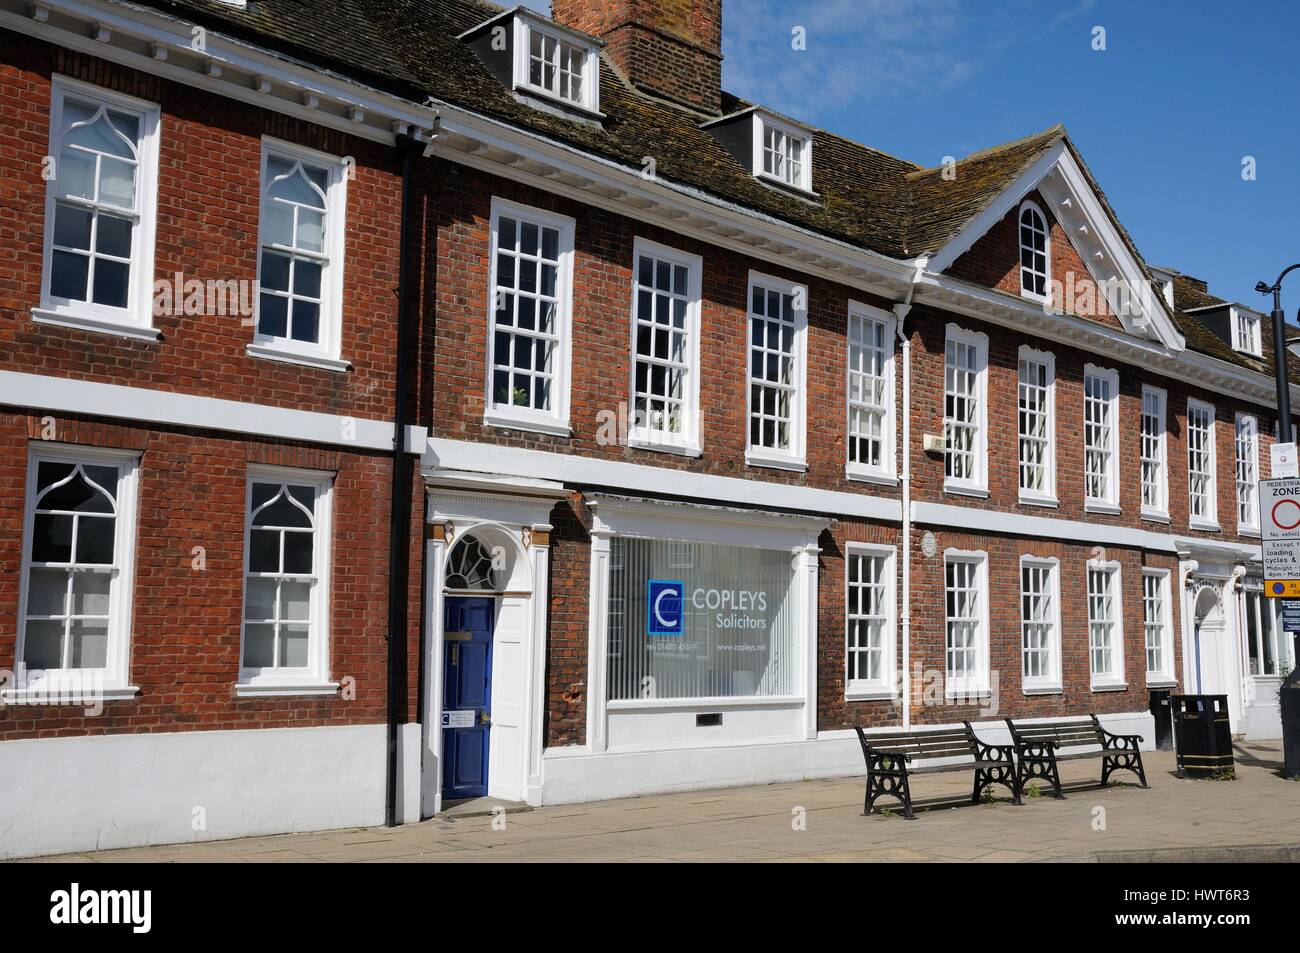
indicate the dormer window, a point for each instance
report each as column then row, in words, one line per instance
column 782, row 152
column 557, row 63
column 1246, row 332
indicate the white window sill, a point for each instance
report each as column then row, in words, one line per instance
column 85, row 322
column 775, row 461
column 1101, row 506
column 1048, row 501
column 1155, row 516
column 76, row 694
column 706, row 704
column 961, row 489
column 1204, row 526
column 768, row 179
column 1251, row 531
column 1161, row 681
column 870, row 695
column 1042, row 689
column 870, row 476
column 275, row 689
column 556, row 428
column 270, row 353
column 527, row 89
column 973, row 694
column 645, row 442
column 1109, row 686
column 1036, row 298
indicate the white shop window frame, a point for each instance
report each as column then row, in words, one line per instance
column 113, row 681
column 1046, row 496
column 794, row 458
column 979, row 685
column 136, row 319
column 1112, row 681
column 1159, row 512
column 1163, row 677
column 524, row 27
column 1210, row 523
column 979, row 341
column 507, row 416
column 1110, row 502
column 885, row 687
column 690, row 441
column 1246, row 427
column 764, row 121
column 325, row 354
column 1050, row 683
column 314, row 679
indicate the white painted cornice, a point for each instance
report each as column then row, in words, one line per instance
column 165, row 45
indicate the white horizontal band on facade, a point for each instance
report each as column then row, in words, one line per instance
column 143, row 405
column 491, row 458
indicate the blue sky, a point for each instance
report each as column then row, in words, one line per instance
column 1163, row 116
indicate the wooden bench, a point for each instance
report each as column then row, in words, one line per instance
column 1036, row 746
column 888, row 757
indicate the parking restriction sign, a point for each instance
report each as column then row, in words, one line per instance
column 1279, row 503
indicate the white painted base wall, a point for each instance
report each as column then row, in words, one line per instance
column 72, row 794
column 572, row 775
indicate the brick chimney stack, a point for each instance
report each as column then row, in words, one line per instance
column 669, row 47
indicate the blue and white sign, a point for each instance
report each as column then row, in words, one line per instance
column 664, row 607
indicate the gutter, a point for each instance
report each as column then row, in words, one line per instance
column 901, row 310
column 400, row 503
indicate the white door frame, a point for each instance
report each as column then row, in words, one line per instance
column 521, row 523
column 1222, row 636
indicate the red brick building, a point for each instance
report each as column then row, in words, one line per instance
column 720, row 434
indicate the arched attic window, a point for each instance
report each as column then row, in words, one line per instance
column 1035, row 262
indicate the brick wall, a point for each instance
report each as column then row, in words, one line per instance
column 185, row 636
column 207, row 228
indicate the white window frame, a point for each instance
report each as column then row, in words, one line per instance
column 1047, row 495
column 1246, row 471
column 977, row 685
column 887, row 472
column 556, row 420
column 978, row 485
column 793, row 458
column 326, row 352
column 1210, row 523
column 688, row 440
column 1255, row 603
column 314, row 678
column 885, row 687
column 1247, row 332
column 1046, row 296
column 111, row 681
column 1160, row 510
column 136, row 319
column 1163, row 676
column 1049, row 683
column 1114, row 679
column 524, row 27
column 764, row 121
column 1110, row 502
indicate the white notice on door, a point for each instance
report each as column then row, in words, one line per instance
column 461, row 718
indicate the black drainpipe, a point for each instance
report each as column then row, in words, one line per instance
column 399, row 539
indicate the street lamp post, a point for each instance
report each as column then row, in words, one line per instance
column 1289, row 696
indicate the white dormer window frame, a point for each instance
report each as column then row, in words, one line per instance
column 790, row 170
column 1247, row 332
column 559, row 39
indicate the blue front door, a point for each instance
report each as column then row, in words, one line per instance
column 466, row 695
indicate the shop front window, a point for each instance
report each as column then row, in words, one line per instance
column 700, row 620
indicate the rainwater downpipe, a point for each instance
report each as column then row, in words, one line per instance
column 901, row 310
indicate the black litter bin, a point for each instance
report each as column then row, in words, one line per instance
column 1203, row 735
column 1161, row 711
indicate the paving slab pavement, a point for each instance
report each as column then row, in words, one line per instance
column 1254, row 817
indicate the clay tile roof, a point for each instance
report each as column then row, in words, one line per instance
column 864, row 197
